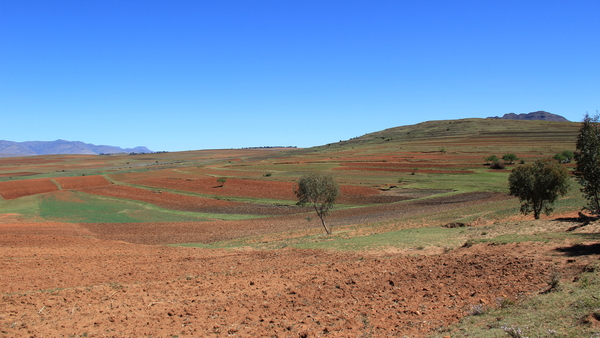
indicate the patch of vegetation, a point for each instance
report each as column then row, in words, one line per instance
column 573, row 310
column 86, row 208
column 28, row 206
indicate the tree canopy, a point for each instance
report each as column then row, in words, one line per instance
column 320, row 191
column 538, row 185
column 587, row 156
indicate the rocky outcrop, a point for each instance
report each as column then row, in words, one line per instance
column 538, row 115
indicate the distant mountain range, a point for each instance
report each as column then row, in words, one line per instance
column 31, row 148
column 538, row 115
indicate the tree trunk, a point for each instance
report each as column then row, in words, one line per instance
column 322, row 217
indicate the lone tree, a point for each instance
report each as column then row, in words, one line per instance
column 510, row 158
column 221, row 181
column 320, row 191
column 538, row 185
column 587, row 156
column 492, row 159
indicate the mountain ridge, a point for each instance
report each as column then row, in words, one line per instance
column 61, row 147
column 539, row 115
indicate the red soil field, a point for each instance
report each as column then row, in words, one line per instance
column 103, row 288
column 80, row 182
column 240, row 187
column 401, row 165
column 18, row 174
column 11, row 161
column 15, row 189
column 162, row 198
column 427, row 171
column 233, row 187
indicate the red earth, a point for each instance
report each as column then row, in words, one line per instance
column 15, row 189
column 79, row 182
column 61, row 280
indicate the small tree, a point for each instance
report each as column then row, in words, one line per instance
column 564, row 157
column 221, row 181
column 510, row 158
column 320, row 191
column 587, row 156
column 492, row 159
column 538, row 185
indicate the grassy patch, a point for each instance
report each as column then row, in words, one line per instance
column 28, row 206
column 573, row 310
column 86, row 208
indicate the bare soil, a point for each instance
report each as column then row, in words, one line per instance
column 58, row 281
column 15, row 189
column 79, row 182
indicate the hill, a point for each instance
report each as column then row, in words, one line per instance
column 468, row 135
column 538, row 115
column 425, row 241
column 31, row 148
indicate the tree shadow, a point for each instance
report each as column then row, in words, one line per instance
column 580, row 250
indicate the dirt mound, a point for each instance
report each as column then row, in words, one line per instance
column 106, row 288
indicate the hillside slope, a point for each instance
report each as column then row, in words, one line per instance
column 468, row 133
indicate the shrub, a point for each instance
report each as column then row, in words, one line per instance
column 510, row 158
column 497, row 165
column 538, row 185
column 492, row 159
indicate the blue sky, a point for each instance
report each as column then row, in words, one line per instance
column 186, row 75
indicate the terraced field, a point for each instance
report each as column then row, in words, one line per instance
column 83, row 237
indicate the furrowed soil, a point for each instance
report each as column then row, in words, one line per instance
column 58, row 281
column 15, row 189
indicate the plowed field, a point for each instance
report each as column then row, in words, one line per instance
column 245, row 188
column 80, row 182
column 15, row 189
column 188, row 203
column 57, row 283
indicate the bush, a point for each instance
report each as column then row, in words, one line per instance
column 492, row 159
column 510, row 158
column 538, row 185
column 497, row 165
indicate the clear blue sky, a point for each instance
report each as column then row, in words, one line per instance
column 185, row 75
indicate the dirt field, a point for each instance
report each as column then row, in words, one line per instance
column 63, row 280
column 15, row 189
